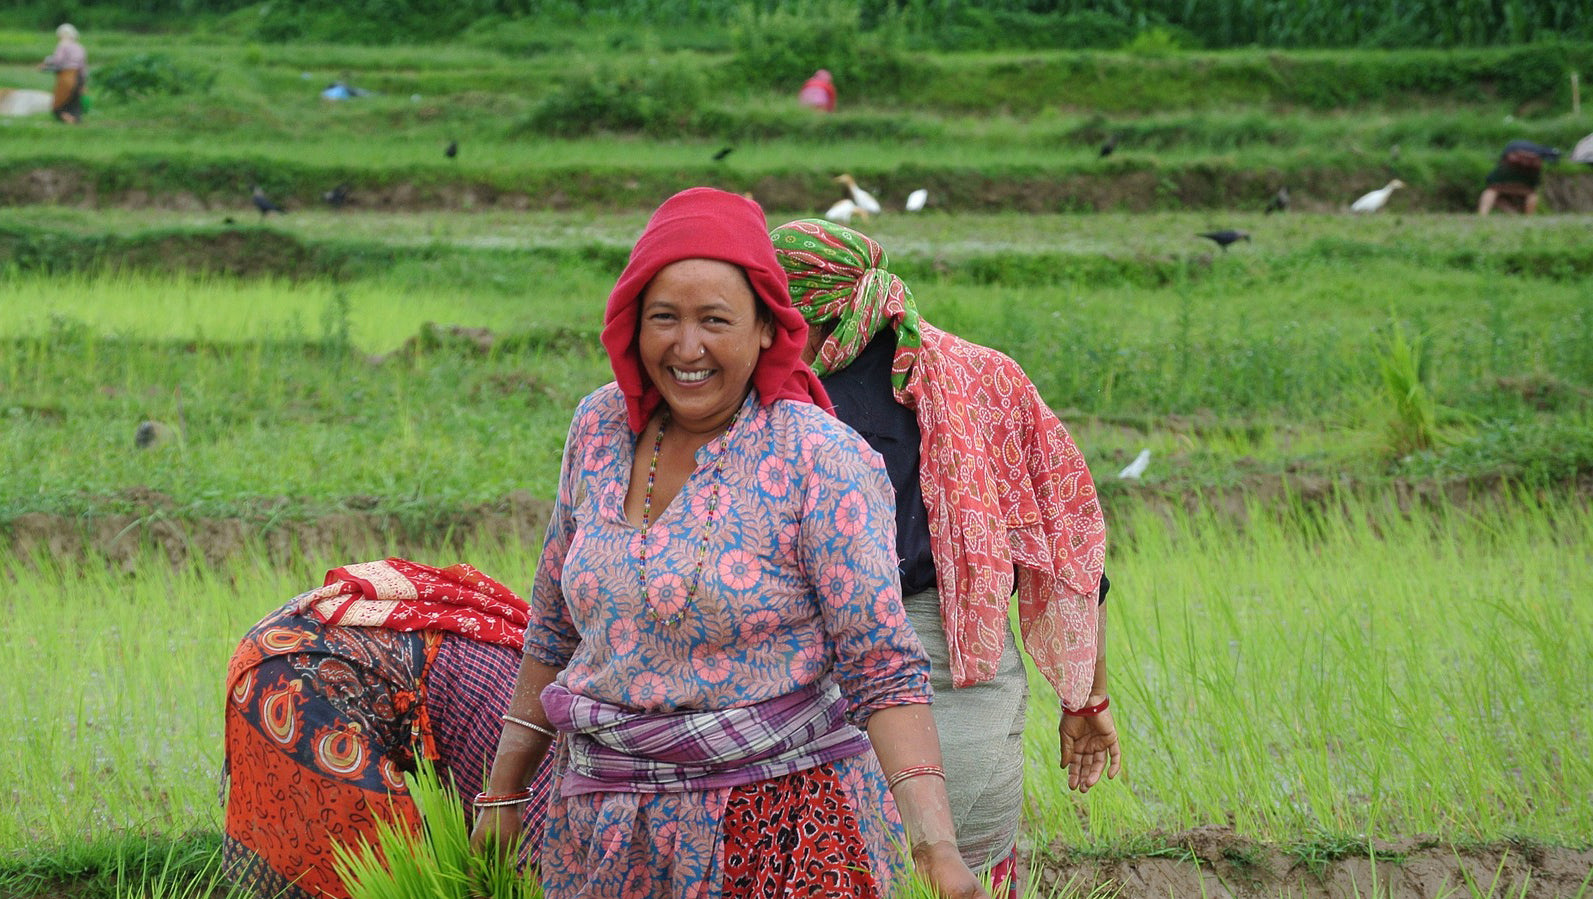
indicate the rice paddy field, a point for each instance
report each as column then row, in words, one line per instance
column 1350, row 608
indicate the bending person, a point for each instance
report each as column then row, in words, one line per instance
column 991, row 494
column 330, row 698
column 716, row 617
column 1516, row 176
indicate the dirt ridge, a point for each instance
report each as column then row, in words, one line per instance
column 124, row 540
column 1020, row 189
column 1215, row 863
column 148, row 522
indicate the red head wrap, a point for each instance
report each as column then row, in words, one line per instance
column 703, row 223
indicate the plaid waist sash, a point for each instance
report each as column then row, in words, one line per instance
column 615, row 749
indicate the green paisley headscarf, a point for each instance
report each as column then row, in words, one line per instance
column 840, row 275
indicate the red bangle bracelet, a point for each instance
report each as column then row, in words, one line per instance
column 484, row 800
column 914, row 771
column 1089, row 711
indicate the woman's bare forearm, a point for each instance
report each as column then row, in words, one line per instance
column 521, row 748
column 904, row 737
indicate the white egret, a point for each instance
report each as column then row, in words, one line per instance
column 917, row 199
column 865, row 201
column 1583, row 152
column 1136, row 467
column 1374, row 201
column 842, row 212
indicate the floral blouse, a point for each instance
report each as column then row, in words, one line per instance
column 799, row 578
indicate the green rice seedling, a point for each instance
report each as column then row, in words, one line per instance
column 437, row 862
column 174, row 877
column 267, row 405
column 187, row 866
column 1469, row 243
column 1413, row 419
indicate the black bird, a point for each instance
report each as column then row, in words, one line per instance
column 336, row 197
column 263, row 203
column 1109, row 146
column 1225, row 237
column 1279, row 201
column 720, row 156
column 150, row 433
column 452, row 149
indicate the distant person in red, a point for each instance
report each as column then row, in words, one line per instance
column 818, row 92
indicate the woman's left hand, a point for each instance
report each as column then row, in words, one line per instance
column 1089, row 749
column 941, row 866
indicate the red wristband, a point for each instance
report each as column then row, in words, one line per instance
column 1089, row 711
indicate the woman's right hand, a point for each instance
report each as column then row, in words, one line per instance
column 941, row 866
column 497, row 826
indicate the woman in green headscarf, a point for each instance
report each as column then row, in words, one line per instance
column 992, row 495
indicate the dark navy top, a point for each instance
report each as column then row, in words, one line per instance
column 863, row 399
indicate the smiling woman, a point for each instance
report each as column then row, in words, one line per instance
column 709, row 645
column 699, row 338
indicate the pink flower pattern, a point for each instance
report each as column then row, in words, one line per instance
column 853, row 517
column 763, row 622
column 738, row 569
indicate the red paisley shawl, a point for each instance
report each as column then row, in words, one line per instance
column 408, row 596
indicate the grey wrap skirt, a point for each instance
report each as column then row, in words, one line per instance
column 981, row 737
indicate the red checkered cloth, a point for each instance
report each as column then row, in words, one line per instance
column 468, row 687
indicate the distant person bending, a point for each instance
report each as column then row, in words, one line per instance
column 69, row 62
column 332, row 696
column 818, row 92
column 992, row 495
column 1516, row 176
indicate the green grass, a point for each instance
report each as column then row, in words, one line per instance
column 1287, row 675
column 1195, row 128
column 291, row 391
column 129, row 866
column 1292, row 680
column 1298, row 659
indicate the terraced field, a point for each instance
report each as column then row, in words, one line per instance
column 1349, row 591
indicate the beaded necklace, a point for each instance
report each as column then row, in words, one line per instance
column 707, row 529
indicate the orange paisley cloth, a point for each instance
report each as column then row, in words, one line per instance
column 407, row 596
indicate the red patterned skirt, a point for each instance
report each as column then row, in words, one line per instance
column 796, row 835
column 321, row 724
